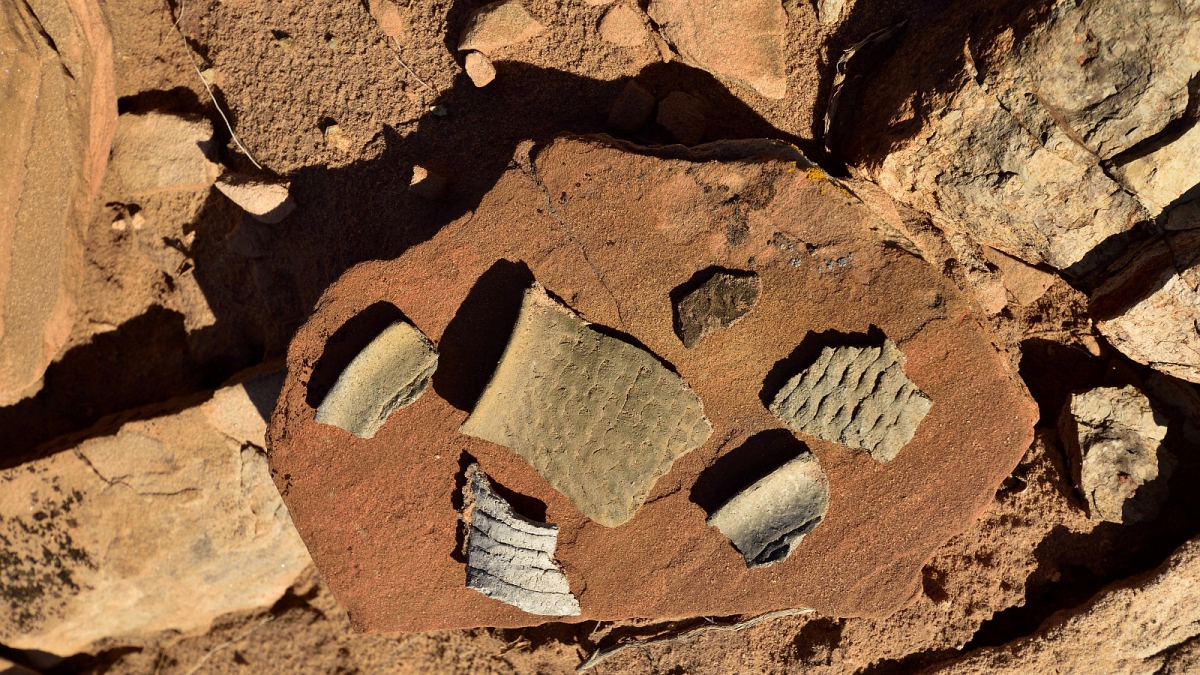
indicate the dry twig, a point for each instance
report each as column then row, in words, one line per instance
column 223, row 645
column 396, row 53
column 601, row 654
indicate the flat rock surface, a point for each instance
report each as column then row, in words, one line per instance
column 165, row 525
column 718, row 302
column 379, row 515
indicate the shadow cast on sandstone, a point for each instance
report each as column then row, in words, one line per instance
column 260, row 282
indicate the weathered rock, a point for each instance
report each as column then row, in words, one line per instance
column 717, row 303
column 498, row 25
column 427, row 184
column 389, row 374
column 354, row 499
column 623, row 26
column 1026, row 282
column 1113, row 438
column 59, row 111
column 769, row 519
column 600, row 419
column 634, row 105
column 1129, row 628
column 1167, row 173
column 157, row 152
column 741, row 39
column 1184, row 217
column 1149, row 309
column 510, row 558
column 683, row 115
column 165, row 525
column 267, row 200
column 338, row 139
column 479, row 69
column 830, row 11
column 856, row 396
column 391, row 18
column 1011, row 154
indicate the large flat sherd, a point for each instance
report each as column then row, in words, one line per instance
column 769, row 519
column 510, row 558
column 536, row 376
column 599, row 418
column 856, row 396
column 389, row 374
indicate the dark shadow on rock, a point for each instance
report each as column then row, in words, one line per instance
column 345, row 344
column 817, row 641
column 180, row 100
column 741, row 467
column 474, row 340
column 807, row 352
column 1052, row 371
column 615, row 334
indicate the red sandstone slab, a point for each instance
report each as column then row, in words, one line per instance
column 379, row 516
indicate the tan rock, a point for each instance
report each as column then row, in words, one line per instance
column 741, row 39
column 1026, row 282
column 1113, row 438
column 165, row 525
column 1127, row 629
column 391, row 17
column 426, row 184
column 634, row 105
column 157, row 152
column 338, row 139
column 479, row 69
column 1011, row 155
column 1148, row 310
column 267, row 200
column 498, row 25
column 1161, row 176
column 59, row 112
column 623, row 26
column 683, row 115
column 9, row 668
column 830, row 11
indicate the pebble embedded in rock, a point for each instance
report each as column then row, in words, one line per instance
column 634, row 105
column 621, row 420
column 509, row 557
column 391, row 17
column 717, row 303
column 856, row 396
column 479, row 69
column 389, row 374
column 769, row 519
column 1113, row 437
column 499, row 25
column 337, row 138
column 267, row 200
column 1026, row 282
column 427, row 184
column 623, row 26
column 683, row 115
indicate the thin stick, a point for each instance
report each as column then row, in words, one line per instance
column 603, row 654
column 188, row 50
column 223, row 645
column 396, row 53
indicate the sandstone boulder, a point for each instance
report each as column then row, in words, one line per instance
column 1011, row 154
column 499, row 25
column 1148, row 310
column 1113, row 437
column 165, row 525
column 59, row 112
column 1130, row 628
column 741, row 39
column 379, row 515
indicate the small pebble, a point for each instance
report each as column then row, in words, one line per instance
column 480, row 69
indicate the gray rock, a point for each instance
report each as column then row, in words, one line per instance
column 509, row 557
column 1114, row 439
column 1011, row 156
column 856, row 396
column 1150, row 310
column 768, row 520
column 389, row 374
column 717, row 303
column 599, row 418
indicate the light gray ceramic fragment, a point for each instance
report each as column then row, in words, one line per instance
column 510, row 558
column 600, row 419
column 856, row 396
column 767, row 520
column 390, row 373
